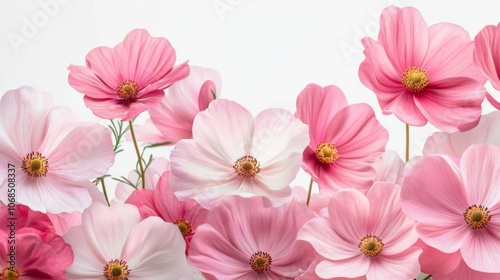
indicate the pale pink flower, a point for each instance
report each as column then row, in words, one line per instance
column 232, row 152
column 457, row 207
column 54, row 154
column 422, row 73
column 172, row 119
column 455, row 144
column 162, row 202
column 345, row 140
column 486, row 57
column 36, row 257
column 365, row 236
column 126, row 80
column 113, row 242
column 389, row 168
column 245, row 239
column 443, row 266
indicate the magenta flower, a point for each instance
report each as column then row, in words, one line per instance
column 455, row 144
column 458, row 207
column 36, row 257
column 172, row 119
column 54, row 155
column 39, row 252
column 162, row 202
column 422, row 73
column 345, row 140
column 231, row 153
column 113, row 243
column 244, row 239
column 486, row 57
column 126, row 80
column 365, row 236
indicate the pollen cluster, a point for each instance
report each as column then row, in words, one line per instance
column 326, row 152
column 415, row 79
column 127, row 89
column 116, row 270
column 371, row 245
column 477, row 217
column 35, row 165
column 260, row 262
column 247, row 166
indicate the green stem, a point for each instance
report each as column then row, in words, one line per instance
column 427, row 277
column 407, row 155
column 139, row 158
column 104, row 190
column 309, row 192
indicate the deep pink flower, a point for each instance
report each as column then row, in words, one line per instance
column 422, row 73
column 115, row 242
column 487, row 57
column 457, row 207
column 36, row 257
column 39, row 252
column 231, row 153
column 455, row 144
column 172, row 119
column 162, row 202
column 245, row 239
column 365, row 236
column 126, row 80
column 345, row 140
column 54, row 154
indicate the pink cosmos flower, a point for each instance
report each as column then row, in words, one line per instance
column 126, row 80
column 457, row 207
column 232, row 152
column 365, row 236
column 244, row 239
column 172, row 119
column 345, row 140
column 39, row 252
column 36, row 257
column 443, row 266
column 52, row 156
column 162, row 202
column 389, row 168
column 455, row 144
column 486, row 57
column 422, row 73
column 114, row 243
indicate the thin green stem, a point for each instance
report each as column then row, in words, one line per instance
column 427, row 277
column 139, row 158
column 309, row 192
column 104, row 190
column 407, row 155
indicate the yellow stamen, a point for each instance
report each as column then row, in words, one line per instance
column 260, row 262
column 116, row 270
column 477, row 217
column 35, row 165
column 371, row 245
column 326, row 152
column 247, row 166
column 415, row 79
column 127, row 89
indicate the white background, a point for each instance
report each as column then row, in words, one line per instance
column 266, row 51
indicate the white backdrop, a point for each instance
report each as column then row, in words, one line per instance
column 266, row 51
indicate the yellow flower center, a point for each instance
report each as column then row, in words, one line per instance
column 127, row 89
column 246, row 166
column 116, row 270
column 35, row 165
column 10, row 273
column 260, row 262
column 184, row 226
column 477, row 216
column 326, row 152
column 415, row 79
column 371, row 245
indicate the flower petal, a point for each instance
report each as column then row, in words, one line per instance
column 401, row 266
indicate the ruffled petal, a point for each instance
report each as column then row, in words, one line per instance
column 486, row 56
column 433, row 189
column 401, row 266
column 86, row 81
column 316, row 106
column 354, row 267
column 405, row 36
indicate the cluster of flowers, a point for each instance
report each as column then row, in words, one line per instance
column 222, row 207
